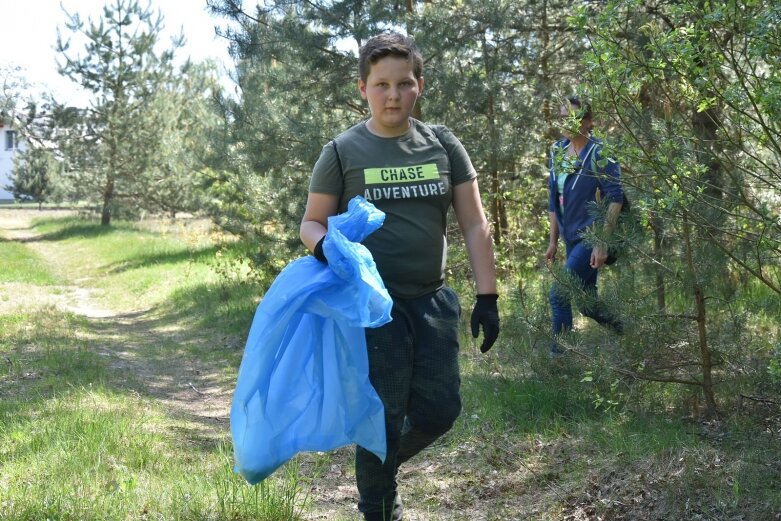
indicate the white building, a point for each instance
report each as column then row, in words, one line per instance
column 9, row 146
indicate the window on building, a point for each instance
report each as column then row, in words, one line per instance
column 10, row 139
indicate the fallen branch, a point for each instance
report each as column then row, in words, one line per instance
column 761, row 400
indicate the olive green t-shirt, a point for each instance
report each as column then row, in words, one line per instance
column 410, row 178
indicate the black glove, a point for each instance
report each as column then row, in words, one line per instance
column 318, row 251
column 486, row 314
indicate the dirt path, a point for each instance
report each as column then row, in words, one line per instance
column 191, row 389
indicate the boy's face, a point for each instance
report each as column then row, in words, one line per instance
column 571, row 122
column 392, row 91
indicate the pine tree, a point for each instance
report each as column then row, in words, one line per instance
column 296, row 84
column 34, row 174
column 111, row 145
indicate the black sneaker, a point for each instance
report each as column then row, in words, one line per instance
column 556, row 352
column 617, row 326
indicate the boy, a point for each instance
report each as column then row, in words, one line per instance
column 572, row 188
column 413, row 173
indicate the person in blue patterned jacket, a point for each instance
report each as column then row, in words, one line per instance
column 579, row 176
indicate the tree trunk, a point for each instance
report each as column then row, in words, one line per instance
column 494, row 173
column 649, row 101
column 108, row 197
column 493, row 170
column 704, row 128
column 706, row 359
column 549, row 110
column 661, row 296
column 417, row 110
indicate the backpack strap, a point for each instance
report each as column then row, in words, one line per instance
column 590, row 160
column 591, row 157
column 436, row 133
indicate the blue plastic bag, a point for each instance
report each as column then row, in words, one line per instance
column 303, row 384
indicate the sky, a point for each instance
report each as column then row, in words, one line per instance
column 28, row 38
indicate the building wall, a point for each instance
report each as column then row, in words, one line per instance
column 10, row 144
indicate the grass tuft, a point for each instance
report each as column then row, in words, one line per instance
column 22, row 265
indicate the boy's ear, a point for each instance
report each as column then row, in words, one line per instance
column 421, row 84
column 362, row 88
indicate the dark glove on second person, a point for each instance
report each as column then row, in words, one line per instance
column 486, row 314
column 318, row 251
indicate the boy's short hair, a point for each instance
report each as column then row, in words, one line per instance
column 584, row 108
column 389, row 44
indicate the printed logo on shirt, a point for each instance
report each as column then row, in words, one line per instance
column 402, row 174
column 407, row 182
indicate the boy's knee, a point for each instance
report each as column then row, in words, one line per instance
column 439, row 420
column 557, row 297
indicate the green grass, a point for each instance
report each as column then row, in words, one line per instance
column 133, row 268
column 570, row 434
column 90, row 453
column 77, row 443
column 19, row 264
column 81, row 438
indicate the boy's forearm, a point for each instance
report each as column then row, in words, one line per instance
column 310, row 233
column 554, row 227
column 479, row 246
column 611, row 217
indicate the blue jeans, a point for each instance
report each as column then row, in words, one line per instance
column 578, row 264
column 413, row 366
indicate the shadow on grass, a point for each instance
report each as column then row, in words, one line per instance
column 201, row 256
column 190, row 369
column 74, row 228
column 226, row 307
